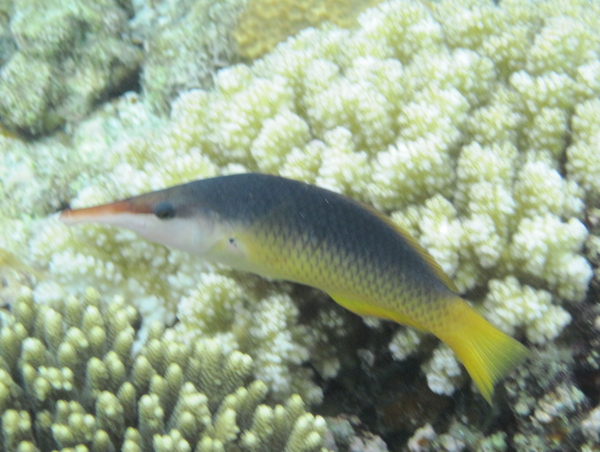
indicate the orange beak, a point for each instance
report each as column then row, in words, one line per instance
column 103, row 212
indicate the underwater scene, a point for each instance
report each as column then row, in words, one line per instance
column 430, row 284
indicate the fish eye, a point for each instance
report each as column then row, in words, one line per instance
column 164, row 210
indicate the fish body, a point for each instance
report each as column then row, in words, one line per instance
column 285, row 229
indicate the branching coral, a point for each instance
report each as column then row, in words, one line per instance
column 186, row 42
column 37, row 177
column 510, row 305
column 69, row 376
column 68, row 58
column 546, row 247
column 453, row 116
column 459, row 437
column 264, row 327
column 584, row 153
column 443, row 371
column 547, row 403
column 264, row 23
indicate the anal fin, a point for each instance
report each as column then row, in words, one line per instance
column 369, row 309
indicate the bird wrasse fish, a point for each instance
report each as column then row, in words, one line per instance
column 285, row 229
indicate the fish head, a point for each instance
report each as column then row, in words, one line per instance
column 171, row 217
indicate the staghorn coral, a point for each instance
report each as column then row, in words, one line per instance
column 452, row 116
column 68, row 381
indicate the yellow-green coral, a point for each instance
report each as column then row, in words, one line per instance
column 511, row 306
column 264, row 322
column 186, row 42
column 264, row 23
column 583, row 155
column 68, row 375
column 69, row 57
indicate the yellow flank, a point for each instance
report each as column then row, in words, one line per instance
column 487, row 353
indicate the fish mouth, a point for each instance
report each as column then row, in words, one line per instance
column 99, row 213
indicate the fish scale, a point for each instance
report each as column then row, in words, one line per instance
column 285, row 229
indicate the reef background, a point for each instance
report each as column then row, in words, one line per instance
column 474, row 124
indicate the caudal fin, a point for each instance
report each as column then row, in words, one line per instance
column 487, row 353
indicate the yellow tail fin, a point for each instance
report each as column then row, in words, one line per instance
column 486, row 352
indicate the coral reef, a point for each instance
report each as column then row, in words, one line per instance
column 547, row 404
column 406, row 113
column 68, row 381
column 264, row 23
column 541, row 319
column 263, row 321
column 69, row 57
column 584, row 153
column 8, row 45
column 185, row 42
column 37, row 177
column 458, row 438
column 474, row 124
